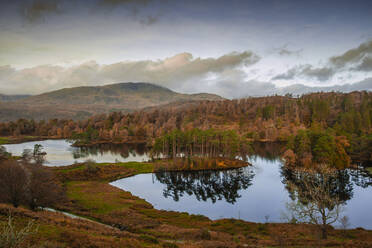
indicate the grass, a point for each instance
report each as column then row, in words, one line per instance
column 369, row 169
column 90, row 195
column 104, row 172
column 99, row 197
column 55, row 230
column 138, row 167
column 4, row 140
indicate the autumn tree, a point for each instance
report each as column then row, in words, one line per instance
column 43, row 189
column 13, row 182
column 315, row 199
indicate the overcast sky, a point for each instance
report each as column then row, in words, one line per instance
column 232, row 48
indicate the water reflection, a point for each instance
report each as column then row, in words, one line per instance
column 204, row 185
column 251, row 193
column 60, row 152
column 270, row 151
column 302, row 184
column 122, row 150
column 361, row 178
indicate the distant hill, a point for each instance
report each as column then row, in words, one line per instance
column 10, row 98
column 81, row 102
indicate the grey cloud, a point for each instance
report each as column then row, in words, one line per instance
column 299, row 89
column 36, row 10
column 357, row 59
column 149, row 20
column 173, row 72
column 352, row 55
column 230, row 83
column 123, row 2
column 365, row 65
column 134, row 8
column 290, row 74
column 321, row 74
column 287, row 52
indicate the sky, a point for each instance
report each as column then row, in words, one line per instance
column 231, row 48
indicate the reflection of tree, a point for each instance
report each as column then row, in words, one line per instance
column 338, row 183
column 317, row 195
column 214, row 185
column 270, row 151
column 123, row 150
column 361, row 178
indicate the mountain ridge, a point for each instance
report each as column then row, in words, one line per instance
column 84, row 101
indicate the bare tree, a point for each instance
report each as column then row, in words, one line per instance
column 13, row 182
column 345, row 223
column 315, row 203
column 10, row 237
column 3, row 153
column 42, row 189
column 23, row 182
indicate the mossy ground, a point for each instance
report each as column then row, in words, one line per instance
column 4, row 140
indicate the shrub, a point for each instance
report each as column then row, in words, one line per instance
column 170, row 245
column 91, row 166
column 12, row 238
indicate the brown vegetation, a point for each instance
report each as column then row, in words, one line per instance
column 28, row 184
column 82, row 102
column 275, row 118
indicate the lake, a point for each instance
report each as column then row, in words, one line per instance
column 60, row 152
column 257, row 193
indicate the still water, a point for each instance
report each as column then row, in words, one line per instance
column 256, row 193
column 60, row 152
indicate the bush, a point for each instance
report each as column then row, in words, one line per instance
column 170, row 245
column 12, row 238
column 204, row 234
column 29, row 184
column 91, row 166
column 149, row 239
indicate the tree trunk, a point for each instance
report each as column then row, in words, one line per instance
column 324, row 232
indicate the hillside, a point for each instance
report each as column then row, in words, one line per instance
column 10, row 98
column 82, row 102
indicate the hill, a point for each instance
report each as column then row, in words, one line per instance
column 82, row 102
column 10, row 98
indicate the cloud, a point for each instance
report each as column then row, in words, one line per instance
column 299, row 89
column 365, row 65
column 321, row 74
column 352, row 56
column 37, row 10
column 149, row 20
column 286, row 52
column 177, row 72
column 123, row 2
column 134, row 8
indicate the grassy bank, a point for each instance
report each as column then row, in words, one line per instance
column 4, row 140
column 22, row 139
column 90, row 195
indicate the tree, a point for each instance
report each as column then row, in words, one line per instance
column 38, row 154
column 315, row 201
column 22, row 182
column 3, row 153
column 13, row 182
column 10, row 237
column 42, row 190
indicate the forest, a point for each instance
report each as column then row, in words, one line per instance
column 318, row 127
